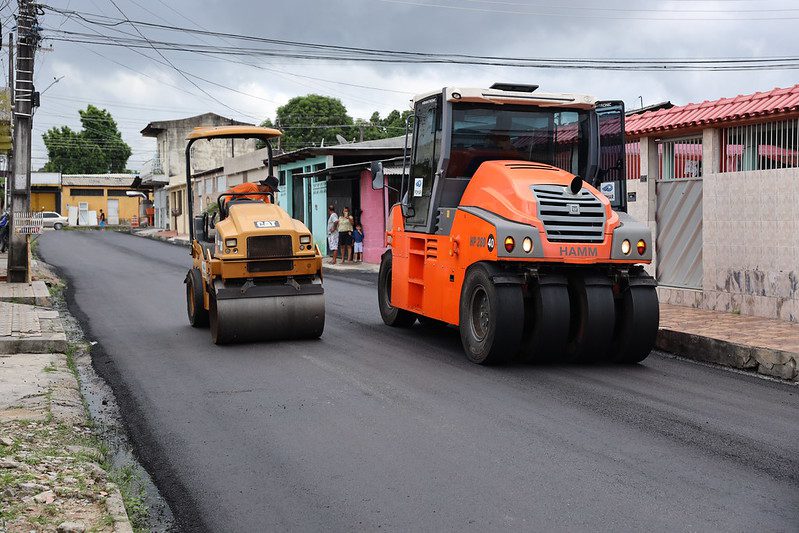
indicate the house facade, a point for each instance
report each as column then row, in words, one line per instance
column 718, row 183
column 168, row 167
column 84, row 195
column 46, row 191
column 306, row 189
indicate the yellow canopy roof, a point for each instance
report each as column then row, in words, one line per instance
column 204, row 132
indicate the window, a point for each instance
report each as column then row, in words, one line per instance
column 487, row 132
column 318, row 167
column 425, row 159
column 117, row 192
column 220, row 184
column 86, row 192
column 48, row 214
column 282, row 177
column 765, row 146
column 680, row 158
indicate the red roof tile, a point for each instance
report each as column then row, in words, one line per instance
column 692, row 116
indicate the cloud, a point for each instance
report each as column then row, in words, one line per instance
column 137, row 89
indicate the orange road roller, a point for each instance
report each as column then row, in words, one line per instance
column 256, row 272
column 512, row 225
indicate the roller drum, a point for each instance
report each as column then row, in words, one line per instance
column 245, row 319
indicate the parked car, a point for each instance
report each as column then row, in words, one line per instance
column 54, row 220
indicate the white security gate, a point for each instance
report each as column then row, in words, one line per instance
column 679, row 214
column 113, row 212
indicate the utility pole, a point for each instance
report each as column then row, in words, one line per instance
column 24, row 94
column 10, row 153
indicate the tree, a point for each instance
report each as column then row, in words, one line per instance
column 380, row 128
column 97, row 149
column 308, row 120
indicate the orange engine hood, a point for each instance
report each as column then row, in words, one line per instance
column 504, row 188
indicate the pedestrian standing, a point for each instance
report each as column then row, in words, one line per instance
column 345, row 227
column 332, row 232
column 101, row 218
column 357, row 242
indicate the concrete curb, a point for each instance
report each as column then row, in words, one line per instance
column 169, row 240
column 766, row 361
column 116, row 509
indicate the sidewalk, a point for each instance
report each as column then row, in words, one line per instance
column 767, row 346
column 171, row 237
column 50, row 476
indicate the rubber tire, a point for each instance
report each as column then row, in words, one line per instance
column 547, row 315
column 392, row 316
column 198, row 316
column 505, row 321
column 593, row 318
column 57, row 226
column 638, row 319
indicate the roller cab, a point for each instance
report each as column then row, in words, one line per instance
column 513, row 227
column 256, row 273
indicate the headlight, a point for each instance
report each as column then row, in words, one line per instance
column 625, row 247
column 527, row 245
column 305, row 239
column 231, row 243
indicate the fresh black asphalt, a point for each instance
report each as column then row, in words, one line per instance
column 378, row 428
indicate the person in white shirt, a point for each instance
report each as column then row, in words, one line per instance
column 332, row 232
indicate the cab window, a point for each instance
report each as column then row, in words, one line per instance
column 427, row 140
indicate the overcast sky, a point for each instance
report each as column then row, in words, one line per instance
column 137, row 90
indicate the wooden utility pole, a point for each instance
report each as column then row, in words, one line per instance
column 24, row 94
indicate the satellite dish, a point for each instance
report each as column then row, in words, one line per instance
column 341, row 140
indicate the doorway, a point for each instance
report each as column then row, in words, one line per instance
column 113, row 212
column 297, row 195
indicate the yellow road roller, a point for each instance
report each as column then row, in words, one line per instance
column 256, row 272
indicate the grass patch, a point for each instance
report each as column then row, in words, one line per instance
column 50, row 368
column 133, row 496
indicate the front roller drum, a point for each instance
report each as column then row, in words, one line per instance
column 637, row 321
column 236, row 320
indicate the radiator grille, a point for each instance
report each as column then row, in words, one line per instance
column 270, row 266
column 563, row 221
column 268, row 246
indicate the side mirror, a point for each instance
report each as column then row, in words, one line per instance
column 377, row 175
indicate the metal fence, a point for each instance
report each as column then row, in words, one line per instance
column 763, row 146
column 680, row 158
column 632, row 154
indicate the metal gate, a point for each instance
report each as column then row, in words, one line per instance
column 679, row 216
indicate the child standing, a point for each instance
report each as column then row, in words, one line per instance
column 357, row 239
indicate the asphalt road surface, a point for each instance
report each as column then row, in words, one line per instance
column 378, row 428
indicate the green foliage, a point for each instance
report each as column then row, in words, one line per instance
column 96, row 149
column 309, row 120
column 380, row 128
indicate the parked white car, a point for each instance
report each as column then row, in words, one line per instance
column 54, row 220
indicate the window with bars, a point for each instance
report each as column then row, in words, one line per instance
column 117, row 192
column 764, row 146
column 680, row 158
